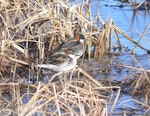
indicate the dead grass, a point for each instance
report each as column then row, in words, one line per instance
column 144, row 4
column 80, row 95
column 30, row 30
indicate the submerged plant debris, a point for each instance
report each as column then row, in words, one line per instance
column 31, row 30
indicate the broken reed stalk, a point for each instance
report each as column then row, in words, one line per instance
column 129, row 38
column 144, row 71
column 64, row 95
column 108, row 35
column 141, row 103
column 142, row 35
column 136, row 6
column 116, row 35
column 71, row 95
column 100, row 45
column 91, row 78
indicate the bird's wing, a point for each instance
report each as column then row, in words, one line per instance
column 57, row 59
column 69, row 45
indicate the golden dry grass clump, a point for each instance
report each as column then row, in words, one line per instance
column 29, row 31
column 80, row 95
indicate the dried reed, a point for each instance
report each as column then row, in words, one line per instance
column 30, row 30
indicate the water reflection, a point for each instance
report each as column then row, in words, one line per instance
column 132, row 22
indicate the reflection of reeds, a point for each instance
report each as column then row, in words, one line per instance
column 142, row 5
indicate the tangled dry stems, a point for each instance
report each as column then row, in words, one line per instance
column 28, row 29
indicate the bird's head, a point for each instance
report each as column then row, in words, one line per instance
column 79, row 37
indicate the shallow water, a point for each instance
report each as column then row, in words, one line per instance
column 134, row 24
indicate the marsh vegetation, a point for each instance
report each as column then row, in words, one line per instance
column 30, row 30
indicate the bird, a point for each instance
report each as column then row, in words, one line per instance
column 60, row 62
column 76, row 45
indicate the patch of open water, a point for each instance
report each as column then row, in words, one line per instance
column 134, row 24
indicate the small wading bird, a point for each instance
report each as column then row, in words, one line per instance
column 76, row 45
column 62, row 61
